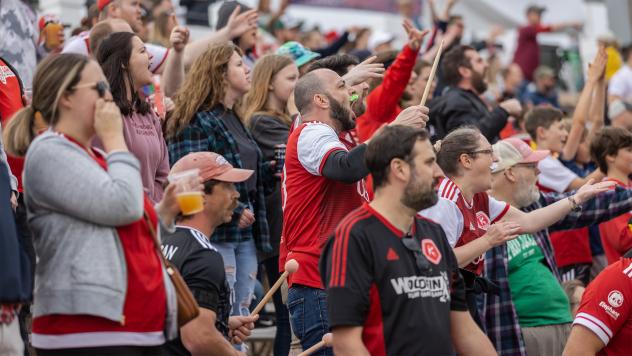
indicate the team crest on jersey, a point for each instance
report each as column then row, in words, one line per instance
column 5, row 73
column 431, row 251
column 615, row 298
column 482, row 220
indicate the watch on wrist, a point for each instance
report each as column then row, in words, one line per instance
column 574, row 206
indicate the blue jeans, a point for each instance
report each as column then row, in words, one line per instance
column 308, row 315
column 240, row 264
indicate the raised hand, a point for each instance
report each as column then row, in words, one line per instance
column 414, row 116
column 597, row 68
column 364, row 71
column 179, row 38
column 240, row 23
column 590, row 190
column 414, row 35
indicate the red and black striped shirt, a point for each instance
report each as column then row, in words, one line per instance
column 373, row 281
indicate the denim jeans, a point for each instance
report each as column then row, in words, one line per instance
column 283, row 335
column 308, row 315
column 240, row 263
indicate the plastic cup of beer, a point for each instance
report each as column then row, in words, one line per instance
column 190, row 200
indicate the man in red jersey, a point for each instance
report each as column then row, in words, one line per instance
column 393, row 284
column 603, row 324
column 323, row 180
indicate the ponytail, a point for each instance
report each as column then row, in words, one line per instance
column 18, row 133
column 53, row 77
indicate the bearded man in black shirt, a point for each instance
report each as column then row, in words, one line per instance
column 201, row 265
column 393, row 284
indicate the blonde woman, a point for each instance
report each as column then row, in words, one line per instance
column 204, row 120
column 265, row 110
column 100, row 287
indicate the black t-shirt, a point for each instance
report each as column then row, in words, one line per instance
column 202, row 268
column 374, row 281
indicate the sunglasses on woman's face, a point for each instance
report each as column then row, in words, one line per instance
column 101, row 87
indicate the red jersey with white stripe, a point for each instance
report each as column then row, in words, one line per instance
column 606, row 308
column 463, row 221
column 312, row 204
column 81, row 44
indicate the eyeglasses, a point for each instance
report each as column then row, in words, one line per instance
column 533, row 165
column 488, row 151
column 415, row 247
column 101, row 87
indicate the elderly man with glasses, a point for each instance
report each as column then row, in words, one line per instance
column 531, row 314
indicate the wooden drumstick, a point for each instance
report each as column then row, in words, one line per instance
column 291, row 266
column 432, row 75
column 325, row 342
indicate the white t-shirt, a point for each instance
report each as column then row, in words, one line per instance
column 621, row 84
column 554, row 175
column 81, row 44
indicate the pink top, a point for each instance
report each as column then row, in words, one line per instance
column 143, row 135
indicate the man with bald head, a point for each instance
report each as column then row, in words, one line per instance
column 323, row 181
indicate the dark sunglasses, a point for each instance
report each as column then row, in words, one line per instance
column 415, row 247
column 101, row 87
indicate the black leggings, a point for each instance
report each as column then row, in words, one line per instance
column 105, row 351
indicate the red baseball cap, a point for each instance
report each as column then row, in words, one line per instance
column 211, row 166
column 512, row 151
column 103, row 3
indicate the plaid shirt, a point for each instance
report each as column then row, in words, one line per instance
column 498, row 312
column 208, row 132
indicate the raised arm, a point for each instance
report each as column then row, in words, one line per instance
column 595, row 73
column 173, row 75
column 238, row 24
column 542, row 218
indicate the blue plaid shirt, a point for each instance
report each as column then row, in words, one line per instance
column 208, row 132
column 498, row 312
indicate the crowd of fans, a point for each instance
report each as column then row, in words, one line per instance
column 493, row 219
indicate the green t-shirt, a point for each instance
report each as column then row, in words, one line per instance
column 537, row 295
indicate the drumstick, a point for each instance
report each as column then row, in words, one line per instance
column 432, row 75
column 325, row 342
column 291, row 266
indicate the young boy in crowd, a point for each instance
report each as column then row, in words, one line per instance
column 572, row 248
column 612, row 150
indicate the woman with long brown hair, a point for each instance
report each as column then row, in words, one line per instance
column 100, row 286
column 204, row 120
column 265, row 110
column 125, row 62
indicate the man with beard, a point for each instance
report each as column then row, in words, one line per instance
column 323, row 180
column 531, row 313
column 393, row 285
column 464, row 72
